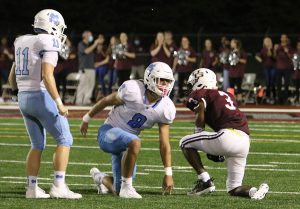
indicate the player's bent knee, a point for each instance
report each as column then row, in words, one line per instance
column 181, row 142
column 135, row 144
column 65, row 142
column 38, row 146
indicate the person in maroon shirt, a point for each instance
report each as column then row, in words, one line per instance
column 113, row 41
column 224, row 51
column 65, row 66
column 237, row 70
column 184, row 67
column 296, row 76
column 6, row 59
column 209, row 57
column 159, row 50
column 230, row 136
column 171, row 45
column 266, row 57
column 284, row 66
column 123, row 64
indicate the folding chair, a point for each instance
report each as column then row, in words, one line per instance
column 248, row 87
column 72, row 82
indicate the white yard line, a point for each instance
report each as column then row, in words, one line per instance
column 159, row 168
column 151, row 149
column 284, row 163
column 144, row 187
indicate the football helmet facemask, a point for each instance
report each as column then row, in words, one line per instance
column 52, row 22
column 159, row 79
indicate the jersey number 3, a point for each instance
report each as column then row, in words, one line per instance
column 229, row 104
column 24, row 59
column 137, row 120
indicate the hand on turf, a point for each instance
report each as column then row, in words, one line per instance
column 83, row 128
column 167, row 185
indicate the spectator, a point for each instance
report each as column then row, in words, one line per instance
column 6, row 59
column 284, row 66
column 66, row 66
column 138, row 66
column 101, row 64
column 123, row 63
column 170, row 45
column 86, row 68
column 223, row 60
column 184, row 66
column 209, row 57
column 159, row 50
column 237, row 70
column 296, row 76
column 266, row 57
column 112, row 72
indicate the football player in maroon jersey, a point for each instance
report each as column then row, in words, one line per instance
column 229, row 139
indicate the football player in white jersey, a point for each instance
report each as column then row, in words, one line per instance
column 136, row 106
column 39, row 101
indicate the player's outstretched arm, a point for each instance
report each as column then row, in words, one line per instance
column 12, row 77
column 165, row 152
column 110, row 100
column 49, row 81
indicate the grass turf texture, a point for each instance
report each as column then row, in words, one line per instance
column 274, row 158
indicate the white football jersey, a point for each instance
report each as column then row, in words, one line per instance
column 30, row 51
column 136, row 113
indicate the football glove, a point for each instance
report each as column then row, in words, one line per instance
column 216, row 158
column 191, row 104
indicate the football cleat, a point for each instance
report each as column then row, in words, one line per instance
column 129, row 192
column 63, row 192
column 202, row 187
column 36, row 192
column 261, row 192
column 97, row 177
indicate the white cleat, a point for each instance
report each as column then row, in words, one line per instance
column 261, row 192
column 97, row 175
column 63, row 192
column 36, row 192
column 129, row 192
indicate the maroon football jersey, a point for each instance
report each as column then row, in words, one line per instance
column 221, row 109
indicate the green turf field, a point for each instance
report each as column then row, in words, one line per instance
column 274, row 158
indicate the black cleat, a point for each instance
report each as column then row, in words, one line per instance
column 203, row 187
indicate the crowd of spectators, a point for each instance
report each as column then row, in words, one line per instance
column 104, row 63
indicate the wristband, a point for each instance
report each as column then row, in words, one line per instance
column 86, row 118
column 168, row 171
column 58, row 101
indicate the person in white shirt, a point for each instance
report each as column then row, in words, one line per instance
column 39, row 101
column 137, row 106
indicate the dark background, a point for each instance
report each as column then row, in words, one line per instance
column 145, row 16
column 249, row 21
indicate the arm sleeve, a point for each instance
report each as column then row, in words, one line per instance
column 127, row 91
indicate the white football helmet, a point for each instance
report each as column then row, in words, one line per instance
column 52, row 22
column 154, row 73
column 202, row 78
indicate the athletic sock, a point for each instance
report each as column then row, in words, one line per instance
column 204, row 176
column 32, row 181
column 127, row 181
column 59, row 178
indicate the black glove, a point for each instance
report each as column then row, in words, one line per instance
column 216, row 158
column 191, row 104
